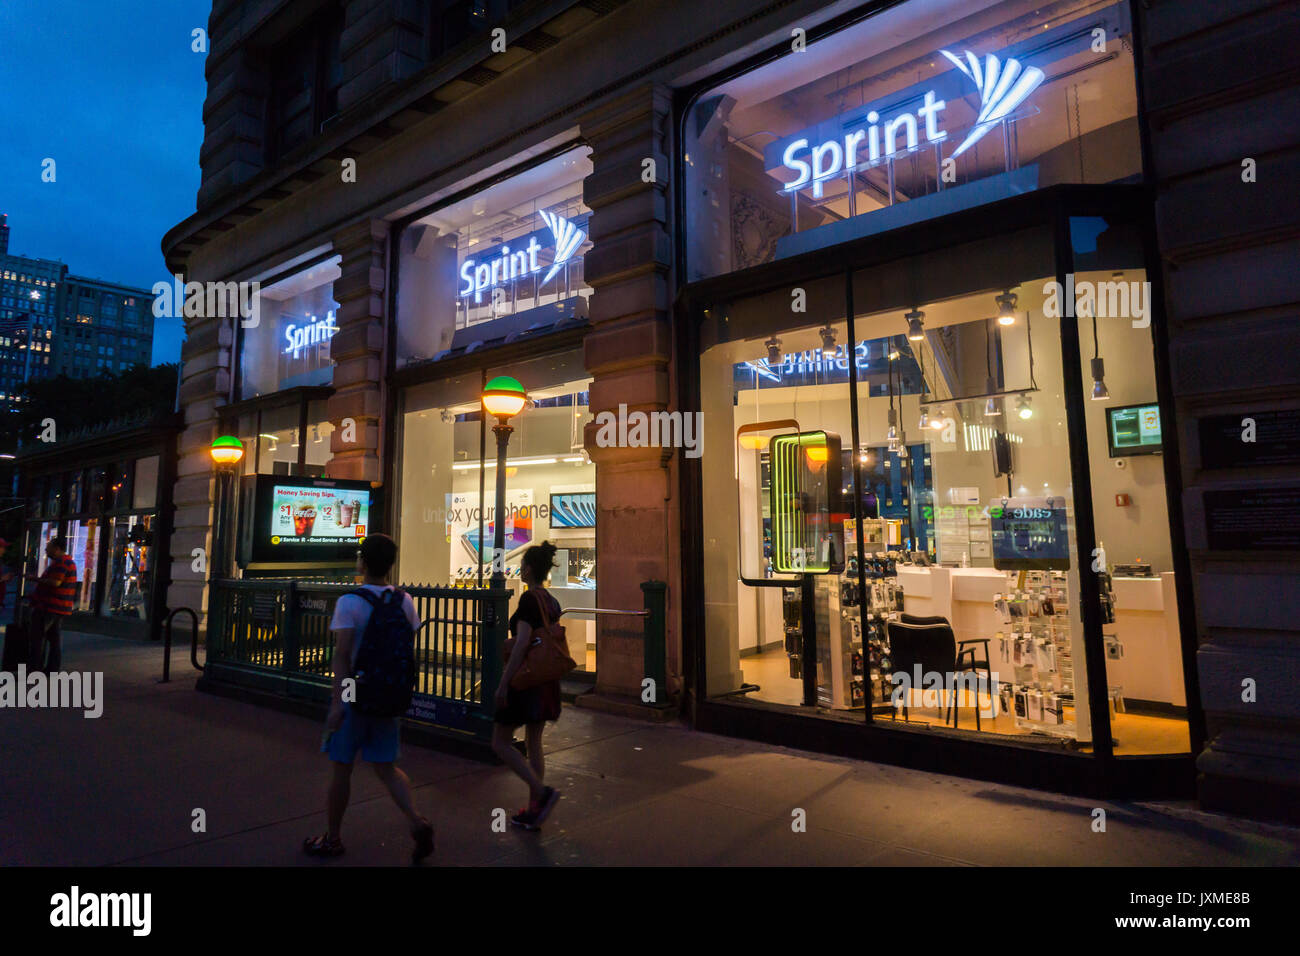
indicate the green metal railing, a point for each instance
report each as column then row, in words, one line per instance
column 274, row 635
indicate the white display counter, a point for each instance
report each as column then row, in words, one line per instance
column 1146, row 626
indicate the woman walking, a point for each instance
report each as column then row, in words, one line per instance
column 530, row 708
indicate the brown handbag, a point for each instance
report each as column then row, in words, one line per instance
column 547, row 657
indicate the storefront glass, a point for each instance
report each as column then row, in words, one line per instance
column 130, row 568
column 512, row 252
column 764, row 362
column 83, row 548
column 446, row 537
column 960, row 594
column 920, row 110
column 290, row 344
column 144, row 485
column 1139, row 609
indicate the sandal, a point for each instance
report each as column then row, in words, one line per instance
column 423, row 835
column 324, row 845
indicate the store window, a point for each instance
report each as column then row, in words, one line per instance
column 1126, row 435
column 511, row 254
column 448, row 478
column 290, row 344
column 130, row 567
column 83, row 548
column 144, row 486
column 967, row 567
column 119, row 490
column 919, row 110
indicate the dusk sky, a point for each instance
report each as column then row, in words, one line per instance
column 113, row 93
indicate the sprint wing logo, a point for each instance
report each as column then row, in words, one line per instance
column 1002, row 88
column 568, row 238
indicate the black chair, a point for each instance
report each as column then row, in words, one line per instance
column 930, row 643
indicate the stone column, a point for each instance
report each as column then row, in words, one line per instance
column 1220, row 90
column 205, row 386
column 357, row 350
column 628, row 352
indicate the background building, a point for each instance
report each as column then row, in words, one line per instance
column 53, row 323
column 102, row 327
column 662, row 135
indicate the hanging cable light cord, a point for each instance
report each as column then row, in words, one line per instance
column 1096, row 349
column 988, row 350
column 1029, row 335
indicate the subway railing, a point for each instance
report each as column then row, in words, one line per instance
column 274, row 635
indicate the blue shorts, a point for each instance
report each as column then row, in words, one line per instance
column 375, row 737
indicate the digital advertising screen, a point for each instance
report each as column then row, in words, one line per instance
column 1133, row 430
column 286, row 520
column 301, row 515
column 1029, row 534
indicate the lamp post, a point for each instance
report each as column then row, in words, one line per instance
column 503, row 397
column 227, row 452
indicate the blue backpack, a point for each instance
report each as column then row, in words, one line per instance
column 385, row 667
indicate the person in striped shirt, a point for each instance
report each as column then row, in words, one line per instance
column 55, row 597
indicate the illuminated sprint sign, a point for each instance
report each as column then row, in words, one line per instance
column 1002, row 88
column 314, row 332
column 509, row 266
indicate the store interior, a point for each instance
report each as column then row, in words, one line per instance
column 939, row 531
column 550, row 487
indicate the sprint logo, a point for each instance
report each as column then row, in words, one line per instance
column 568, row 238
column 1002, row 88
column 506, row 265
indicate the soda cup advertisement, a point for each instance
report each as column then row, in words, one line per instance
column 318, row 515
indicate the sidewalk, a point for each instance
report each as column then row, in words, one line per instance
column 122, row 789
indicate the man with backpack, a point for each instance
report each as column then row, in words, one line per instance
column 374, row 674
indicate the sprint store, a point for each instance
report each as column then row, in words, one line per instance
column 490, row 283
column 938, row 526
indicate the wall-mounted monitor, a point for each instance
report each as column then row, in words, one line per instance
column 573, row 510
column 298, row 519
column 1133, row 430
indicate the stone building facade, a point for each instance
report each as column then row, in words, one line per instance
column 331, row 127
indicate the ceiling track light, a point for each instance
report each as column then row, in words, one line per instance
column 828, row 342
column 1007, row 308
column 915, row 325
column 773, row 351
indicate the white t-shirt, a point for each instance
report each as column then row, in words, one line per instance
column 352, row 611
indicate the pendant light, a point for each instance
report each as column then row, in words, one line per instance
column 1099, row 391
column 828, row 342
column 915, row 325
column 773, row 352
column 939, row 421
column 1007, row 308
column 1023, row 408
column 925, row 419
